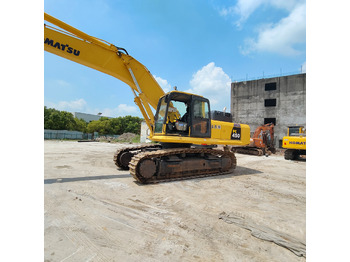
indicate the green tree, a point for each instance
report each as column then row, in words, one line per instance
column 80, row 125
column 105, row 127
column 100, row 126
column 93, row 126
column 48, row 118
column 62, row 120
column 67, row 121
column 116, row 126
column 132, row 124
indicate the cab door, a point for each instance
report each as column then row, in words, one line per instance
column 200, row 117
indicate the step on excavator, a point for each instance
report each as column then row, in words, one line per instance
column 187, row 135
column 262, row 142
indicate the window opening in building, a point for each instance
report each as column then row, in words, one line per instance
column 269, row 120
column 270, row 102
column 270, row 86
column 280, row 143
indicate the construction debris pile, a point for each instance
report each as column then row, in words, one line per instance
column 126, row 137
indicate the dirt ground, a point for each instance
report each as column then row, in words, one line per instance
column 95, row 212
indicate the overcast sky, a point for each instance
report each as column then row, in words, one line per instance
column 200, row 46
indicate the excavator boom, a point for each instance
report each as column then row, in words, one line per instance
column 183, row 125
column 70, row 43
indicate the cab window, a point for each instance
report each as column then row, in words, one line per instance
column 200, row 109
column 201, row 118
column 160, row 116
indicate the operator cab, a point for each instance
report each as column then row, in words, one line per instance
column 296, row 131
column 183, row 114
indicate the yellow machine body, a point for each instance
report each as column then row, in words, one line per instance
column 294, row 143
column 68, row 42
column 296, row 138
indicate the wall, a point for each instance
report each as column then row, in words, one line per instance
column 65, row 134
column 87, row 117
column 248, row 102
column 144, row 133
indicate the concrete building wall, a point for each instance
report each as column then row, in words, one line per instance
column 144, row 133
column 86, row 117
column 278, row 99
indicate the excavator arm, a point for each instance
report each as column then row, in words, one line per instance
column 186, row 148
column 68, row 42
column 261, row 133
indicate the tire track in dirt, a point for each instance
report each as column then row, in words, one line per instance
column 79, row 239
column 134, row 216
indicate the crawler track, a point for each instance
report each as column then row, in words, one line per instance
column 123, row 156
column 255, row 151
column 180, row 163
column 248, row 151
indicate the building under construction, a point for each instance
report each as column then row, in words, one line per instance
column 278, row 100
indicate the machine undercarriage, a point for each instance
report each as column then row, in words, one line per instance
column 152, row 164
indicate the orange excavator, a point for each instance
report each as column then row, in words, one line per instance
column 261, row 143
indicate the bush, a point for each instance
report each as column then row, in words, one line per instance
column 116, row 126
column 62, row 120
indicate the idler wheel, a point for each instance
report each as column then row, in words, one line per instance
column 125, row 159
column 147, row 168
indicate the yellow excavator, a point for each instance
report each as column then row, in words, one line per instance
column 188, row 135
column 294, row 142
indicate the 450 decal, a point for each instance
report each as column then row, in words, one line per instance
column 236, row 133
column 62, row 47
